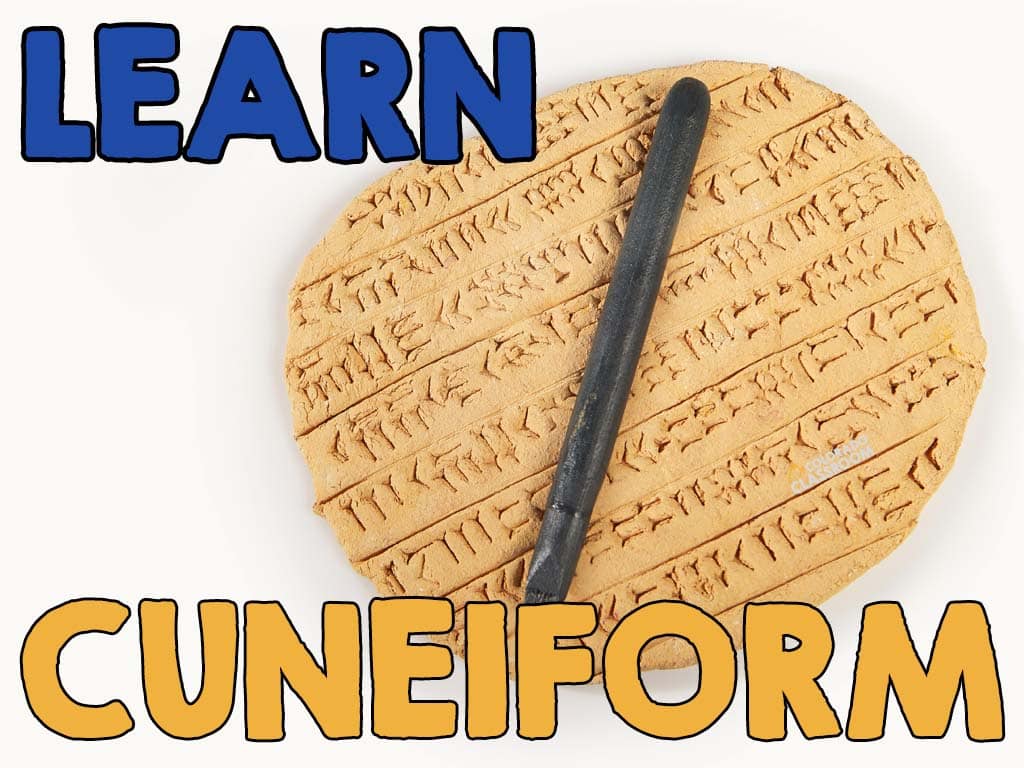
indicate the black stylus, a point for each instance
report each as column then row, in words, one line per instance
column 618, row 340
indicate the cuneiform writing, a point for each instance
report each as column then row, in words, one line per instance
column 848, row 204
column 559, row 117
column 775, row 239
column 842, row 516
column 859, row 506
column 406, row 268
column 775, row 311
column 843, row 278
column 809, row 153
column 758, row 476
column 752, row 394
column 480, row 379
column 495, row 451
column 389, row 346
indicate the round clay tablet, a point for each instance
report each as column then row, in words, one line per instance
column 808, row 373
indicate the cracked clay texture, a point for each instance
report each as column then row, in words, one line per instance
column 808, row 374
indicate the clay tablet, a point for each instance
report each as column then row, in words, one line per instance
column 808, row 374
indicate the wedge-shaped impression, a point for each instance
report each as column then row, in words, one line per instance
column 810, row 367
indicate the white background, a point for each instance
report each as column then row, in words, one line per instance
column 146, row 440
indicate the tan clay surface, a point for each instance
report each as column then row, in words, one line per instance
column 814, row 297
